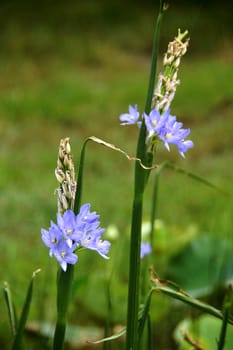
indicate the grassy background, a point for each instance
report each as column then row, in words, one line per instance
column 70, row 70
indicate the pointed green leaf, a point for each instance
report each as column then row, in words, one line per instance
column 10, row 308
column 170, row 165
column 17, row 344
column 144, row 315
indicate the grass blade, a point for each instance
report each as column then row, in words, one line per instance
column 226, row 309
column 170, row 165
column 17, row 344
column 154, row 206
column 10, row 308
column 144, row 316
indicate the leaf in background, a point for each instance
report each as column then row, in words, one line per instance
column 202, row 265
column 194, row 176
column 174, row 291
column 206, row 330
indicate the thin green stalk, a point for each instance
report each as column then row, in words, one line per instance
column 65, row 278
column 141, row 176
column 108, row 325
column 149, row 336
column 154, row 57
column 154, row 207
column 226, row 310
column 64, row 283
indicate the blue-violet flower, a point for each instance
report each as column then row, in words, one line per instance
column 73, row 232
column 131, row 117
column 162, row 127
column 145, row 249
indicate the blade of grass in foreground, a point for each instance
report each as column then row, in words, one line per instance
column 10, row 308
column 17, row 344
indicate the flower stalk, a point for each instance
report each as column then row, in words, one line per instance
column 141, row 175
column 66, row 195
column 76, row 228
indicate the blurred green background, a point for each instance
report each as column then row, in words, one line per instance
column 70, row 69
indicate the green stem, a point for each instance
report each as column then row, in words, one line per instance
column 65, row 279
column 141, row 176
column 154, row 58
column 64, row 283
column 226, row 310
column 149, row 336
column 154, row 207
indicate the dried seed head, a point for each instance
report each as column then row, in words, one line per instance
column 59, row 175
column 65, row 175
column 168, row 82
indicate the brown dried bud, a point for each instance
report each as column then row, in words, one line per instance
column 59, row 175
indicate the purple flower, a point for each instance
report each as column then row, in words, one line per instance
column 102, row 247
column 91, row 239
column 52, row 237
column 184, row 145
column 67, row 224
column 64, row 254
column 155, row 122
column 85, row 215
column 145, row 249
column 131, row 117
column 160, row 127
column 167, row 129
column 72, row 232
column 173, row 133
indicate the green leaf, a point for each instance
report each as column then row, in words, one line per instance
column 143, row 316
column 202, row 265
column 17, row 344
column 205, row 329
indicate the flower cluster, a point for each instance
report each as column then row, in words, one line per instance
column 73, row 232
column 163, row 127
